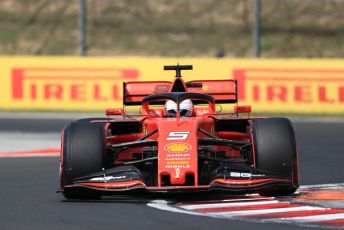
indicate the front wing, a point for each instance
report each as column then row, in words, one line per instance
column 115, row 181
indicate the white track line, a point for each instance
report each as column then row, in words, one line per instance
column 264, row 211
column 315, row 218
column 219, row 205
column 169, row 208
column 337, row 185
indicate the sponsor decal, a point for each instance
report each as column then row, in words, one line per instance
column 108, row 178
column 238, row 174
column 177, row 173
column 246, row 175
column 69, row 84
column 280, row 85
column 169, row 166
column 178, row 162
column 177, row 147
column 161, row 89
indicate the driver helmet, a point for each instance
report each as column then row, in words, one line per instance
column 185, row 108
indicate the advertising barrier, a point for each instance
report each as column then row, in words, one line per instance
column 308, row 86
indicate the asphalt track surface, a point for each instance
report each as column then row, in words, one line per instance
column 28, row 199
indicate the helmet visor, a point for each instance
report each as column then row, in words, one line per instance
column 185, row 113
column 171, row 113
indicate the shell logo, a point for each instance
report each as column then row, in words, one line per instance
column 177, row 147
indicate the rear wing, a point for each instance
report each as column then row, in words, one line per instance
column 223, row 91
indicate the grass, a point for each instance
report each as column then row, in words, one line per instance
column 290, row 28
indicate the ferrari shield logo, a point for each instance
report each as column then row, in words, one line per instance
column 177, row 172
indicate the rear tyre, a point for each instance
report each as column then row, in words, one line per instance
column 275, row 153
column 83, row 151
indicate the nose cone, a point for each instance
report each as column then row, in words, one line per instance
column 177, row 143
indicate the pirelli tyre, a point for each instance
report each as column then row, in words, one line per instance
column 83, row 149
column 276, row 153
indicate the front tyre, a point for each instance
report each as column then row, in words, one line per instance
column 276, row 153
column 83, row 152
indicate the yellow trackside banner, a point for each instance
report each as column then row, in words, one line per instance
column 95, row 83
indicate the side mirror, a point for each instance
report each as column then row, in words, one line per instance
column 242, row 109
column 115, row 111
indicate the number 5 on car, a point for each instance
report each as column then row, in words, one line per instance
column 172, row 136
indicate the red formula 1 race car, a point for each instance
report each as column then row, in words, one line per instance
column 178, row 143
